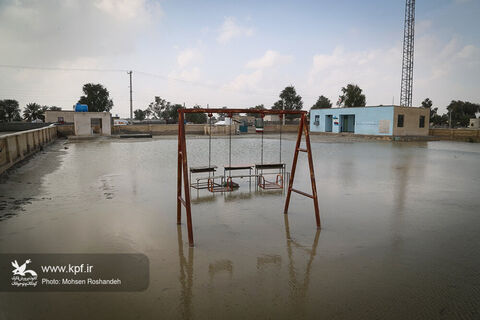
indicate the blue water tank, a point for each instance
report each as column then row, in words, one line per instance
column 81, row 107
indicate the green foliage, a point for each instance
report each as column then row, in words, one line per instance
column 198, row 118
column 140, row 114
column 9, row 110
column 439, row 120
column 171, row 115
column 157, row 107
column 96, row 97
column 289, row 101
column 322, row 103
column 34, row 111
column 54, row 108
column 435, row 118
column 162, row 109
column 427, row 103
column 352, row 97
column 461, row 112
column 258, row 107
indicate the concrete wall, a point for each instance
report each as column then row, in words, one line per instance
column 17, row 146
column 83, row 126
column 20, row 126
column 368, row 120
column 65, row 130
column 52, row 116
column 456, row 134
column 411, row 121
column 199, row 129
column 158, row 129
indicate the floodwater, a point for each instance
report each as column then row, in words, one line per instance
column 400, row 236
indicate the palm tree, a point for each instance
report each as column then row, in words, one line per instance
column 33, row 111
column 352, row 96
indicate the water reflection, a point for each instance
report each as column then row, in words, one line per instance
column 219, row 266
column 298, row 287
column 186, row 277
column 297, row 280
column 207, row 197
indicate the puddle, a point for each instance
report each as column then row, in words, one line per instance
column 399, row 239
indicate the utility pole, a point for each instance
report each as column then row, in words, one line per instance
column 407, row 61
column 131, row 104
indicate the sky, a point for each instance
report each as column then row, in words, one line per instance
column 234, row 53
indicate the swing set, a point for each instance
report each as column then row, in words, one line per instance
column 226, row 182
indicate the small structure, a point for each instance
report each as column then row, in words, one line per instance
column 374, row 120
column 61, row 116
column 474, row 123
column 92, row 123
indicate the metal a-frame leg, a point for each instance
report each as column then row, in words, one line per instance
column 303, row 128
column 182, row 170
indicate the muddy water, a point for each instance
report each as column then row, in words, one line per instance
column 399, row 240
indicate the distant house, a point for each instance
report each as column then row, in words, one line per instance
column 474, row 123
column 85, row 123
column 373, row 120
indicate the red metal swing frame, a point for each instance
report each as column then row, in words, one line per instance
column 182, row 167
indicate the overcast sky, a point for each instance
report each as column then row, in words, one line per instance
column 235, row 53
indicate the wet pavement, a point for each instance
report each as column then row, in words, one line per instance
column 400, row 232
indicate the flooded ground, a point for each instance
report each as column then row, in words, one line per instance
column 400, row 237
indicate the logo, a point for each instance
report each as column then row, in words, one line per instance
column 21, row 270
column 23, row 277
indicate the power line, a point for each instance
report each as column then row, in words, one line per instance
column 196, row 83
column 60, row 68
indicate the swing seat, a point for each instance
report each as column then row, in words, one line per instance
column 267, row 166
column 266, row 184
column 212, row 186
column 202, row 169
column 269, row 185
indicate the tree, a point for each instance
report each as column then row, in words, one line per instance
column 322, row 102
column 289, row 101
column 162, row 109
column 434, row 117
column 96, row 97
column 9, row 110
column 139, row 114
column 439, row 120
column 427, row 103
column 352, row 97
column 171, row 114
column 258, row 107
column 54, row 108
column 157, row 107
column 33, row 111
column 198, row 118
column 461, row 112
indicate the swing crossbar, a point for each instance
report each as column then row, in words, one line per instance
column 231, row 111
column 183, row 174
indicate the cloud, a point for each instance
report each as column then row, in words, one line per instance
column 127, row 9
column 251, row 81
column 192, row 74
column 443, row 70
column 188, row 56
column 269, row 59
column 49, row 32
column 245, row 81
column 230, row 29
column 72, row 34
